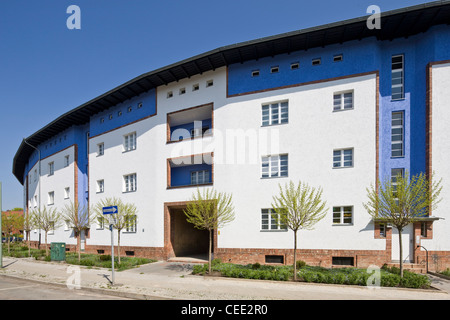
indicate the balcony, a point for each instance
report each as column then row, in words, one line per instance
column 189, row 171
column 190, row 123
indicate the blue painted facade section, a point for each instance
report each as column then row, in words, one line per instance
column 187, row 129
column 181, row 176
column 360, row 57
column 134, row 109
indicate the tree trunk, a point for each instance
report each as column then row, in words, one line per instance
column 79, row 245
column 46, row 247
column 29, row 243
column 209, row 251
column 295, row 255
column 401, row 252
column 118, row 246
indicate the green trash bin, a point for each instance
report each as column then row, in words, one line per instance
column 58, row 251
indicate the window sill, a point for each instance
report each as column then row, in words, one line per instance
column 131, row 191
column 273, row 125
column 190, row 139
column 277, row 230
column 190, row 186
column 349, row 167
column 341, row 110
column 126, row 151
column 342, row 224
column 268, row 178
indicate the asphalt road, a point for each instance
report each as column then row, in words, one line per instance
column 19, row 289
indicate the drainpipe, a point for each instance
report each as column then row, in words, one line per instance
column 39, row 152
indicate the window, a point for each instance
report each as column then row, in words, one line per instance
column 397, row 78
column 100, row 149
column 195, row 87
column 66, row 193
column 397, row 134
column 343, row 215
column 255, row 73
column 101, row 222
column 51, row 168
column 119, row 113
column 275, row 113
column 383, row 229
column 343, row 261
column 130, row 183
column 130, row 142
column 295, row 65
column 51, row 198
column 270, row 220
column 139, row 105
column 395, row 174
column 274, row 166
column 209, row 83
column 343, row 101
column 423, row 229
column 131, row 224
column 343, row 158
column 110, row 117
column 274, row 69
column 66, row 161
column 100, row 186
column 169, row 94
column 35, row 201
column 200, row 177
column 316, row 62
column 182, row 91
column 338, row 57
column 35, row 175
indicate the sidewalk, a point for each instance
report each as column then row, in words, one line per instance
column 173, row 280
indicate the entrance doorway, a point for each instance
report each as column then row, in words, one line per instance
column 182, row 238
column 407, row 244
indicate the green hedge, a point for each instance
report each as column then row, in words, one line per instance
column 389, row 277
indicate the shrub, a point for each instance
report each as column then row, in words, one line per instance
column 256, row 265
column 104, row 257
column 299, row 264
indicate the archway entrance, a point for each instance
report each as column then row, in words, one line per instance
column 182, row 239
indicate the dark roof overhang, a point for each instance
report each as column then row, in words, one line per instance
column 399, row 23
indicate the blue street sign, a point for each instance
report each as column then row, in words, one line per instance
column 110, row 210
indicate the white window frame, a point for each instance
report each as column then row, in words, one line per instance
column 131, row 227
column 66, row 161
column 269, row 222
column 398, row 74
column 395, row 127
column 100, row 149
column 66, row 192
column 275, row 113
column 341, row 100
column 51, row 198
column 100, row 186
column 277, row 166
column 51, row 168
column 200, row 177
column 342, row 210
column 341, row 160
column 129, row 142
column 130, row 182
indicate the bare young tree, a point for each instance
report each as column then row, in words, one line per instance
column 210, row 210
column 298, row 207
column 402, row 200
column 79, row 218
column 47, row 219
column 125, row 218
column 11, row 221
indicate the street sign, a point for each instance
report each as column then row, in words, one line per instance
column 110, row 210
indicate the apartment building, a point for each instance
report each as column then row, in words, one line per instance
column 339, row 106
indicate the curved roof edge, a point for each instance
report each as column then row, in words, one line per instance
column 397, row 23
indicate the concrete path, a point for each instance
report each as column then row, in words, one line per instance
column 173, row 280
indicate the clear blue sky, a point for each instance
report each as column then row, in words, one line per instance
column 47, row 69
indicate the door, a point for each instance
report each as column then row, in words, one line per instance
column 407, row 244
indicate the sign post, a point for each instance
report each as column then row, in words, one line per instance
column 110, row 211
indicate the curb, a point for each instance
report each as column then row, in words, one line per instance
column 122, row 294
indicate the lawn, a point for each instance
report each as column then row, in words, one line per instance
column 389, row 277
column 19, row 250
